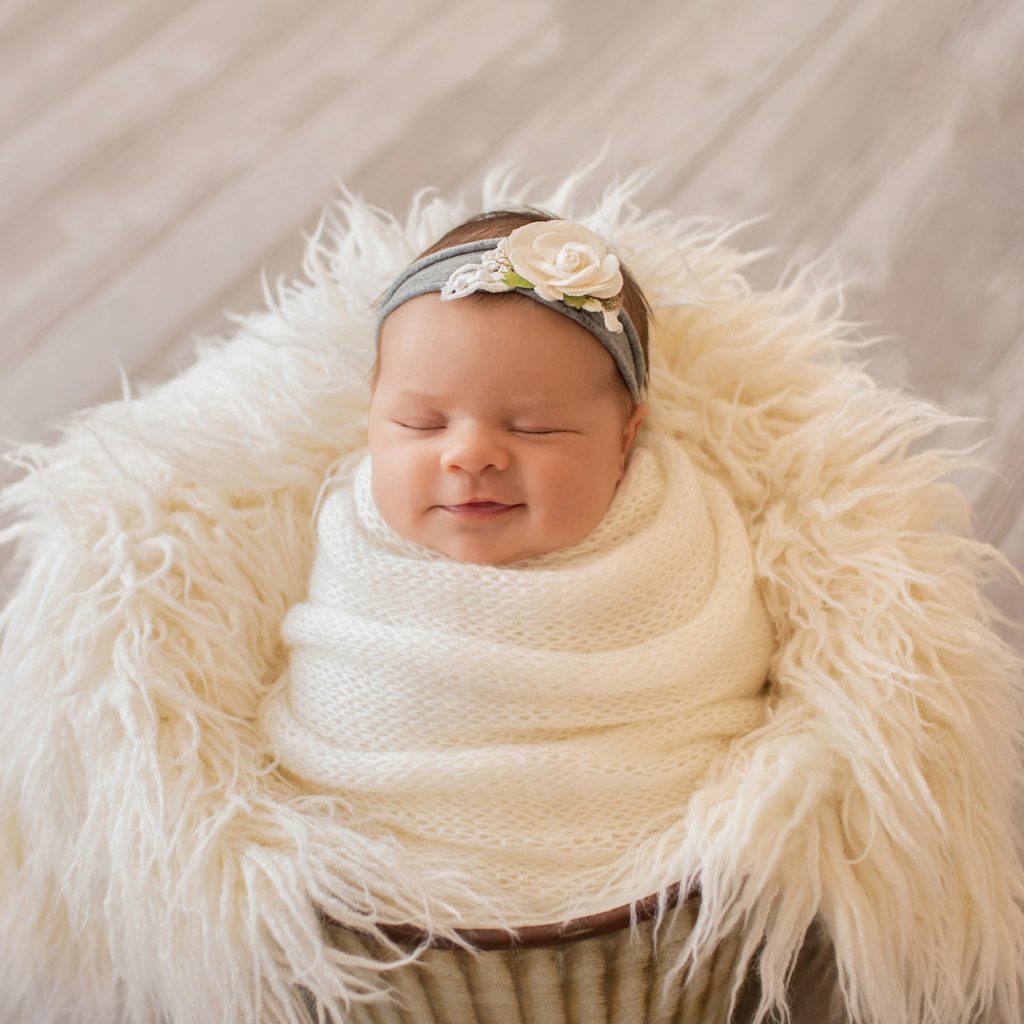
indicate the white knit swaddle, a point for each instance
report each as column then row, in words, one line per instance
column 533, row 724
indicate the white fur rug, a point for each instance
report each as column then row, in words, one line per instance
column 153, row 869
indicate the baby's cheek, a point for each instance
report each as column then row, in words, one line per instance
column 576, row 498
column 395, row 489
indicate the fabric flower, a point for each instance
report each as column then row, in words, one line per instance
column 559, row 260
column 561, row 257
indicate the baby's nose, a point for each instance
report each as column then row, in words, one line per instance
column 474, row 448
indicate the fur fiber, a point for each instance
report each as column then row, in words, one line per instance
column 152, row 866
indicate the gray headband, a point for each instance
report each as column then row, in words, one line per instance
column 431, row 274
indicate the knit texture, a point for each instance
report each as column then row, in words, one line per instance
column 153, row 868
column 535, row 727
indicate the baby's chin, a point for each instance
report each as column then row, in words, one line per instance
column 490, row 550
column 489, row 554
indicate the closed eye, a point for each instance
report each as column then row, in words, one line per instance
column 514, row 430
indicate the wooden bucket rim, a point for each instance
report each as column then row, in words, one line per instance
column 537, row 935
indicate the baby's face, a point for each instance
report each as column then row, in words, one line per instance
column 491, row 436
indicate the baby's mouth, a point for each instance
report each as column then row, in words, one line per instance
column 479, row 509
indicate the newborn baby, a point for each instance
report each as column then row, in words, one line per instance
column 532, row 626
column 497, row 430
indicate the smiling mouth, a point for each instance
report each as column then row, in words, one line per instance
column 479, row 509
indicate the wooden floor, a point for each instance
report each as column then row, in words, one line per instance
column 155, row 155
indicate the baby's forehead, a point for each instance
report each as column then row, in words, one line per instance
column 504, row 353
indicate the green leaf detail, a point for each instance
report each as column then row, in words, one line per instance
column 576, row 301
column 514, row 280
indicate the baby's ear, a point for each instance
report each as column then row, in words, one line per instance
column 629, row 432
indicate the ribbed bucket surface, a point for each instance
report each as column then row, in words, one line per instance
column 593, row 970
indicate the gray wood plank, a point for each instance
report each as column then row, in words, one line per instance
column 97, row 119
column 55, row 52
column 19, row 16
column 112, row 209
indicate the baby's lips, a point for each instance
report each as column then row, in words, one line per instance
column 480, row 509
column 482, row 501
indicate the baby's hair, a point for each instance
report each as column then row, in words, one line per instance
column 500, row 224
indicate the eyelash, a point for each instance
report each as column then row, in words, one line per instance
column 528, row 433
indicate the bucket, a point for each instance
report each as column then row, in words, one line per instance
column 589, row 970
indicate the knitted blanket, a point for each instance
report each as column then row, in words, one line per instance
column 153, row 867
column 537, row 727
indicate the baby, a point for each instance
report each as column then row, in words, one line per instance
column 498, row 430
column 531, row 625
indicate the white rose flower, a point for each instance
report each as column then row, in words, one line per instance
column 560, row 257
